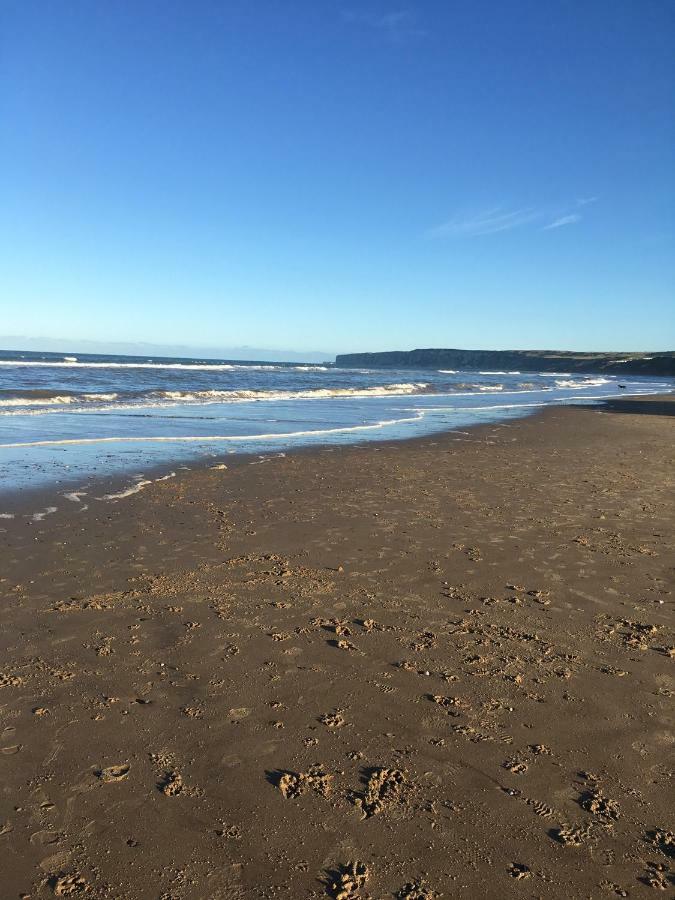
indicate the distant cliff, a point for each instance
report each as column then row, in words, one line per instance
column 662, row 363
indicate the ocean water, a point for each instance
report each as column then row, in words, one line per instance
column 67, row 419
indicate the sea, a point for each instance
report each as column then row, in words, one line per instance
column 69, row 420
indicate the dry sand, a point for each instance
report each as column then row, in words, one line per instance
column 434, row 668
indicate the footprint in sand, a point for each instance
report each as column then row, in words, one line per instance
column 657, row 876
column 571, row 835
column 113, row 773
column 416, row 890
column 67, row 884
column 383, row 788
column 333, row 720
column 663, row 840
column 344, row 645
column 600, row 806
column 171, row 784
column 515, row 766
column 519, row 871
column 540, row 808
column 293, row 784
column 346, row 884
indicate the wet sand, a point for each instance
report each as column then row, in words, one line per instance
column 441, row 667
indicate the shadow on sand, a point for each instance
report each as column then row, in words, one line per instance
column 657, row 406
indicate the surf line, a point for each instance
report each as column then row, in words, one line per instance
column 554, row 401
column 216, row 437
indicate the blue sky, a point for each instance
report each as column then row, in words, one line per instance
column 339, row 176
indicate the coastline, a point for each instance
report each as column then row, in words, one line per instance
column 25, row 502
column 446, row 657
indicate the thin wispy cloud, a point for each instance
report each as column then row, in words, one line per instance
column 396, row 25
column 491, row 221
column 563, row 220
column 498, row 219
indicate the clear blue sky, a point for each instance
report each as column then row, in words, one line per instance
column 339, row 176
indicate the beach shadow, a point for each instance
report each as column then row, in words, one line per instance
column 644, row 407
column 274, row 776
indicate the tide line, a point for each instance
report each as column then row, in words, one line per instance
column 554, row 401
column 212, row 437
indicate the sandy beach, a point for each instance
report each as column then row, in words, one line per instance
column 434, row 668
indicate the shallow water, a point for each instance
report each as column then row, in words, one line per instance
column 67, row 419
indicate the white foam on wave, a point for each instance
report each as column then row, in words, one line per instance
column 554, row 401
column 461, row 409
column 380, row 390
column 159, row 399
column 209, row 438
column 136, row 487
column 39, row 516
column 478, row 389
column 587, row 382
column 57, row 400
column 169, row 399
column 448, row 371
column 75, row 496
column 499, row 373
column 453, row 394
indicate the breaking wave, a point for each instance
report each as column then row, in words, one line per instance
column 29, row 404
column 55, row 399
column 584, row 383
column 380, row 390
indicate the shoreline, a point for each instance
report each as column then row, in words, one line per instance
column 25, row 502
column 445, row 665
